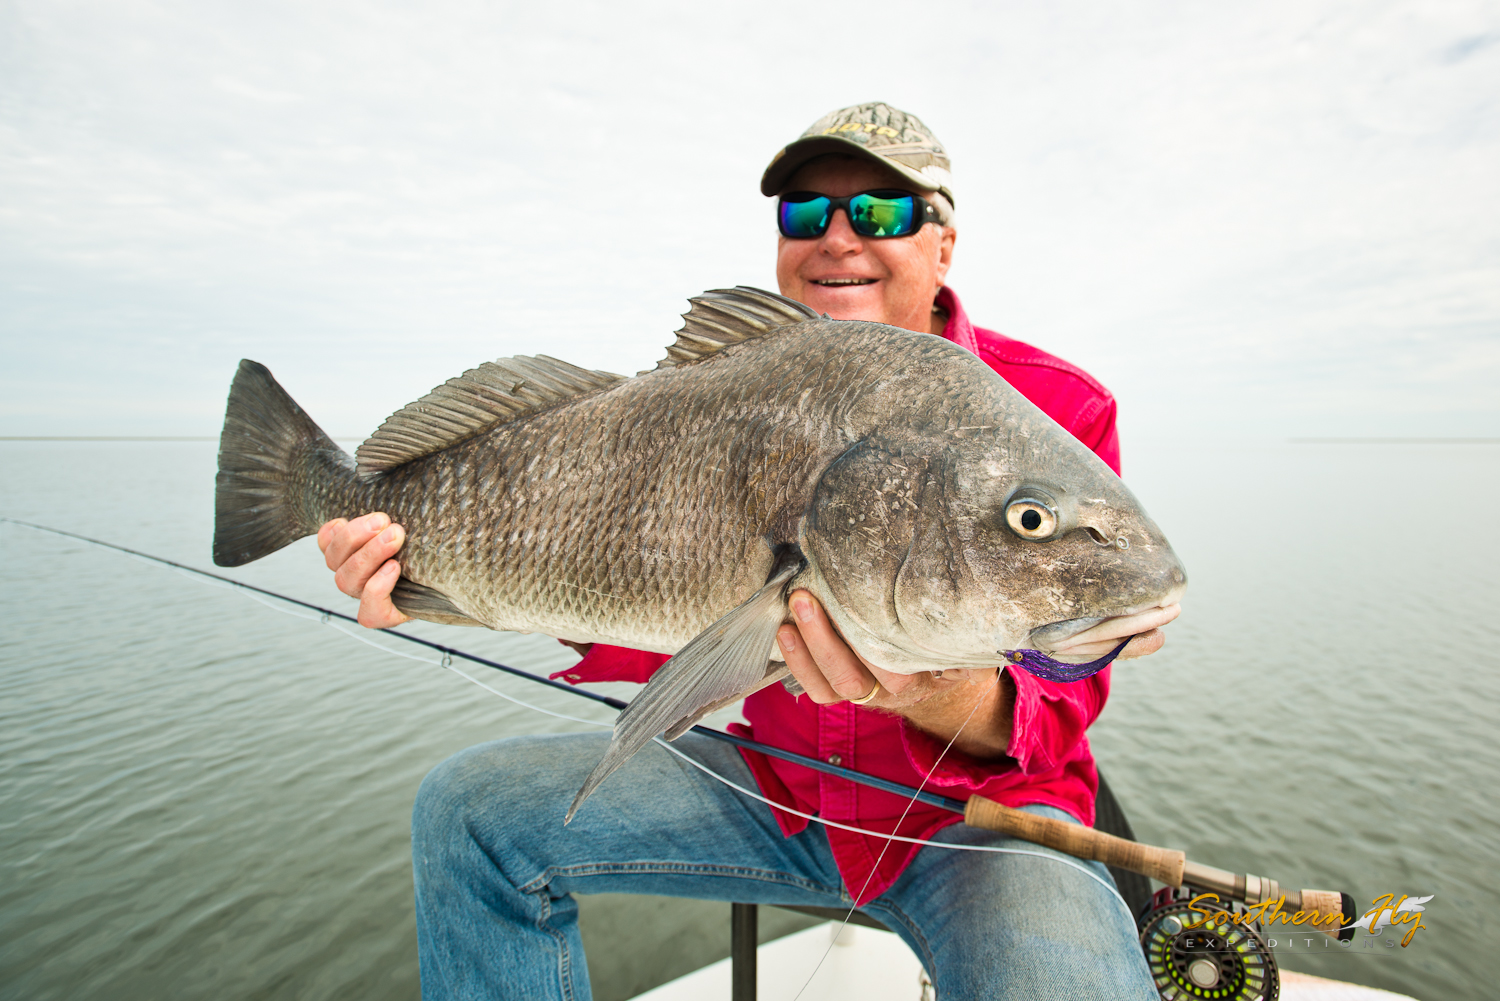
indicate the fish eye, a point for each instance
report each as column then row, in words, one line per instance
column 1031, row 518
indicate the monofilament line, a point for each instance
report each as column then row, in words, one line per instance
column 854, row 905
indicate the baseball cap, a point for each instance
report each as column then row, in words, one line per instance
column 876, row 131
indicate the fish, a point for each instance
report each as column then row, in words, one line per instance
column 940, row 517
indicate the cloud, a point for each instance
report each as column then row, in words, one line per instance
column 231, row 86
column 1209, row 208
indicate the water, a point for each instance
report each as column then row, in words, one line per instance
column 205, row 797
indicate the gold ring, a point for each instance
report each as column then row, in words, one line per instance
column 873, row 692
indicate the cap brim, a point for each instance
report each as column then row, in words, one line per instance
column 794, row 156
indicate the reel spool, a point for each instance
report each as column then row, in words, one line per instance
column 1217, row 960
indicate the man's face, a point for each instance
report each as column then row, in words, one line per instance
column 853, row 277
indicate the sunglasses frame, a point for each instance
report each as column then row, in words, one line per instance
column 927, row 212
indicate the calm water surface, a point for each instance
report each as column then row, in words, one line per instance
column 201, row 796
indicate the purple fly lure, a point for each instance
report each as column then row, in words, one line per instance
column 1044, row 667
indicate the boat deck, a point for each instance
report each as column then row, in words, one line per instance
column 870, row 965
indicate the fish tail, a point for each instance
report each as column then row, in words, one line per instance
column 277, row 470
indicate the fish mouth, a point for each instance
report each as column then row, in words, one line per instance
column 1048, row 637
column 1081, row 639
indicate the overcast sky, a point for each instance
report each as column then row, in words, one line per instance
column 1279, row 218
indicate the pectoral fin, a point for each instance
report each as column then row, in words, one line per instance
column 725, row 662
column 775, row 671
column 423, row 602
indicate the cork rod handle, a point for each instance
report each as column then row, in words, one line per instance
column 1161, row 864
column 1326, row 904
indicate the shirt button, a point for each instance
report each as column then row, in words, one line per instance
column 834, row 759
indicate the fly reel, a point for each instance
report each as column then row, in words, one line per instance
column 1215, row 960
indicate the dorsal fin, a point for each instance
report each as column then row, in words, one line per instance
column 494, row 393
column 728, row 316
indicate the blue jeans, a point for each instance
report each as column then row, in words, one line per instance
column 495, row 869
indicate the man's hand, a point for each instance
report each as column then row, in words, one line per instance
column 359, row 553
column 830, row 671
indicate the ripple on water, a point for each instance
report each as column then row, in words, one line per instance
column 205, row 798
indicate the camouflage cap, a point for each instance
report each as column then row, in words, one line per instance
column 877, row 131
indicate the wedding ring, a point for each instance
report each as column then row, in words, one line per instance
column 873, row 692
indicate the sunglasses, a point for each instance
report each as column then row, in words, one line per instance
column 805, row 215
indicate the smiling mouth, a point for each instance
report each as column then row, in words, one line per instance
column 840, row 282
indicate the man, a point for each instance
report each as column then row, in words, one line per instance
column 865, row 215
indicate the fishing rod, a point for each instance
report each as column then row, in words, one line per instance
column 1168, row 866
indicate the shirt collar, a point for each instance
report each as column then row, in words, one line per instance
column 959, row 330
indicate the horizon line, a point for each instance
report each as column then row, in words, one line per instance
column 1379, row 440
column 131, row 437
column 1322, row 440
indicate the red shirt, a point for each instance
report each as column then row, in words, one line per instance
column 1049, row 759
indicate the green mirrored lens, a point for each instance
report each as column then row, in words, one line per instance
column 873, row 216
column 801, row 220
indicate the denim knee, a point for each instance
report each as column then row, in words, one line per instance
column 451, row 801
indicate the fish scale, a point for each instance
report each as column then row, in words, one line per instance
column 555, row 581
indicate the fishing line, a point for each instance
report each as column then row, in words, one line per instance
column 327, row 616
column 446, row 662
column 834, row 939
column 994, row 849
